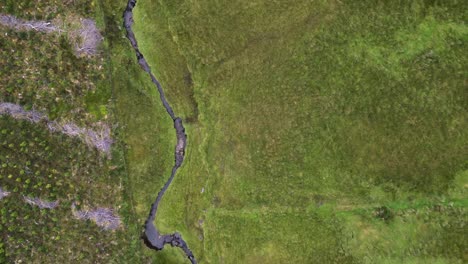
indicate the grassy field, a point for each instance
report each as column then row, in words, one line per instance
column 41, row 72
column 320, row 131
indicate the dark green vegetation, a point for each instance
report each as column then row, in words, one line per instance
column 50, row 78
column 48, row 9
column 322, row 132
column 40, row 71
column 33, row 164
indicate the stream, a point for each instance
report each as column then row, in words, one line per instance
column 151, row 236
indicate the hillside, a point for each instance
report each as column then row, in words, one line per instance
column 317, row 131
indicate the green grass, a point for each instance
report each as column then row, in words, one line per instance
column 304, row 119
column 39, row 71
column 145, row 131
column 50, row 78
column 48, row 9
column 346, row 104
column 37, row 163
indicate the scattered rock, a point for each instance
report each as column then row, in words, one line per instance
column 82, row 32
column 3, row 193
column 103, row 217
column 25, row 25
column 100, row 139
column 43, row 204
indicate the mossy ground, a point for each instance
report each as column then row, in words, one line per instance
column 318, row 131
column 311, row 117
column 41, row 72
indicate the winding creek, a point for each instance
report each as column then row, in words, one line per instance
column 153, row 239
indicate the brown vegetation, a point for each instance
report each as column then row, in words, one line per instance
column 20, row 24
column 82, row 32
column 43, row 204
column 103, row 217
column 3, row 193
column 100, row 138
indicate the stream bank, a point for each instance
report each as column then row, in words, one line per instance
column 152, row 238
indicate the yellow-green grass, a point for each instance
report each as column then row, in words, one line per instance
column 319, row 107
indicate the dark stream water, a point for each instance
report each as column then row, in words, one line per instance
column 153, row 239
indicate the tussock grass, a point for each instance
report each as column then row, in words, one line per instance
column 323, row 107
